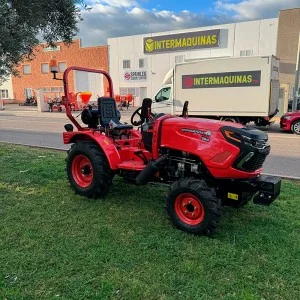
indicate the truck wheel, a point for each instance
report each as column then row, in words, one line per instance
column 230, row 119
column 88, row 170
column 193, row 206
column 296, row 127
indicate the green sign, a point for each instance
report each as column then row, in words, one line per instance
column 219, row 80
column 182, row 41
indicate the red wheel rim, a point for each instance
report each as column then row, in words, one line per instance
column 189, row 209
column 82, row 171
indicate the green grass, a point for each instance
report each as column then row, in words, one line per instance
column 57, row 245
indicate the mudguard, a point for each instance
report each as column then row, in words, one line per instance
column 104, row 143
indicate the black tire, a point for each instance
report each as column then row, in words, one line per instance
column 202, row 198
column 86, row 156
column 230, row 119
column 296, row 127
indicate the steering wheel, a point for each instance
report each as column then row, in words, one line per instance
column 139, row 121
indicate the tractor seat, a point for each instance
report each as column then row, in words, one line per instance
column 109, row 115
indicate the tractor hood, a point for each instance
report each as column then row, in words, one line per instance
column 199, row 124
column 234, row 146
column 207, row 127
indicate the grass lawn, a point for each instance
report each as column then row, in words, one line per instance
column 57, row 245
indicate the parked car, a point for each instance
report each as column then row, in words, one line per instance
column 290, row 105
column 291, row 122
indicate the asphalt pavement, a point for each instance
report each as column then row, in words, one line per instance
column 24, row 125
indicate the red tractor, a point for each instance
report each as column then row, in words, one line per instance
column 207, row 163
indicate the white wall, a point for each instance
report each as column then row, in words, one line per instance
column 259, row 36
column 7, row 85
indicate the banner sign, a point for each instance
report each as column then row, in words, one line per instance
column 182, row 41
column 135, row 75
column 219, row 80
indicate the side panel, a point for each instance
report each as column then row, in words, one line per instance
column 252, row 100
column 104, row 143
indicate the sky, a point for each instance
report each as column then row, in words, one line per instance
column 114, row 18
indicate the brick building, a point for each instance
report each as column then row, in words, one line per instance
column 35, row 74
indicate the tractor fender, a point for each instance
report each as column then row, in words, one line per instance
column 105, row 144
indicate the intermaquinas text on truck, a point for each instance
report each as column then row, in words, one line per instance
column 240, row 90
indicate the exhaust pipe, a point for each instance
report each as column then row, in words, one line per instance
column 149, row 171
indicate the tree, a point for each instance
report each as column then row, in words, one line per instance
column 24, row 23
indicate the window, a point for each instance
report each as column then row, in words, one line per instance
column 26, row 69
column 62, row 66
column 28, row 93
column 246, row 52
column 179, row 59
column 54, row 89
column 133, row 91
column 143, row 63
column 4, row 94
column 163, row 94
column 47, row 89
column 126, row 64
column 45, row 68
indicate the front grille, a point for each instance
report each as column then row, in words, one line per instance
column 256, row 162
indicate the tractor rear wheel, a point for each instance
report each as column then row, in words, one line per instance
column 193, row 206
column 88, row 170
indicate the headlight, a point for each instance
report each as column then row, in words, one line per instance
column 233, row 136
column 286, row 117
column 240, row 137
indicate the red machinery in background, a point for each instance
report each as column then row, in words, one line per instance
column 58, row 103
column 124, row 100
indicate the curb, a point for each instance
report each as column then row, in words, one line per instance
column 284, row 176
column 34, row 146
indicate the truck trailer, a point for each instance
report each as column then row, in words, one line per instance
column 243, row 89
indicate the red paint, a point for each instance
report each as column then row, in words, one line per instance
column 189, row 209
column 221, row 157
column 82, row 171
column 188, row 82
column 127, row 76
column 287, row 124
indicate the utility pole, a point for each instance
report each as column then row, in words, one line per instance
column 296, row 86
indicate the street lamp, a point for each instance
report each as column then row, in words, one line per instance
column 54, row 68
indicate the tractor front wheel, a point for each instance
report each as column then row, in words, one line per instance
column 88, row 170
column 193, row 206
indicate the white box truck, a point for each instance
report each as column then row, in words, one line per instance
column 242, row 89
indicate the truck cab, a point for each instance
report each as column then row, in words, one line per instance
column 163, row 100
